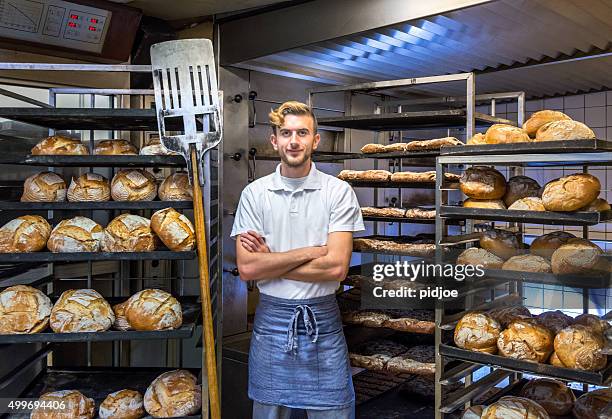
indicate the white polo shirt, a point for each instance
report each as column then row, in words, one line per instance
column 289, row 219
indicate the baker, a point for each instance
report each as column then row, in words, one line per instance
column 294, row 231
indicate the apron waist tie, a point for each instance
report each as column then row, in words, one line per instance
column 292, row 328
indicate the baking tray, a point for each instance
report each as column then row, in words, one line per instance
column 600, row 378
column 107, row 205
column 93, row 161
column 411, row 185
column 85, row 256
column 406, row 220
column 451, row 118
column 581, row 218
column 547, row 147
column 568, row 280
column 191, row 314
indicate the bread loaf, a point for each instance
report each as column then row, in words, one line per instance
column 71, row 405
column 23, row 309
column 571, row 193
column 44, row 187
column 174, row 393
column 482, row 182
column 133, row 185
column 506, row 134
column 502, row 243
column 121, row 322
column 546, row 245
column 28, row 233
column 82, row 310
column 591, row 405
column 510, row 407
column 576, row 256
column 564, row 130
column 509, row 314
column 365, row 175
column 473, row 412
column 579, row 347
column 520, row 187
column 555, row 361
column 78, row 234
column 527, row 263
column 525, row 340
column 122, row 404
column 174, row 229
column 373, row 148
column 115, row 147
column 553, row 395
column 89, row 187
column 484, row 203
column 154, row 147
column 554, row 321
column 597, row 205
column 176, row 187
column 541, row 118
column 433, row 144
column 477, row 256
column 153, row 309
column 528, row 204
column 477, row 139
column 592, row 321
column 477, row 332
column 128, row 233
column 59, row 145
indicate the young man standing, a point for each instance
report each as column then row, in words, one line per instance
column 294, row 231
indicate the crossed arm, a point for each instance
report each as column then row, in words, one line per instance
column 308, row 264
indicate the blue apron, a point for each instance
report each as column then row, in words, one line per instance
column 298, row 356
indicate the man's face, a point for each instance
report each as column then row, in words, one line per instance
column 295, row 140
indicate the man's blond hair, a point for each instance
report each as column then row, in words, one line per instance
column 292, row 107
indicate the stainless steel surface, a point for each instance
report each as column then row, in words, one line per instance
column 577, row 158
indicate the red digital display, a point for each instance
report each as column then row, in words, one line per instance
column 72, row 24
column 74, row 16
column 93, row 20
column 92, row 28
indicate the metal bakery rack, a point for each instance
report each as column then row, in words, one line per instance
column 43, row 362
column 506, row 373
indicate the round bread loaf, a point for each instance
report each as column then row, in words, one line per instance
column 174, row 229
column 133, row 185
column 555, row 361
column 506, row 315
column 597, row 205
column 121, row 322
column 597, row 324
column 154, row 147
column 527, row 263
column 576, row 256
column 28, row 233
column 44, row 187
column 122, row 404
column 484, row 203
column 115, row 147
column 546, row 245
column 540, row 118
column 591, row 405
column 579, row 347
column 564, row 130
column 128, row 233
column 78, row 234
column 526, row 340
column 505, row 134
column 482, row 182
column 477, row 139
column 554, row 321
column 511, row 407
column 528, row 204
column 176, row 187
column 570, row 193
column 553, row 395
column 473, row 412
column 72, row 405
column 477, row 332
column 502, row 243
column 153, row 309
column 520, row 187
column 23, row 309
column 173, row 393
column 89, row 187
column 59, row 145
column 477, row 256
column 82, row 310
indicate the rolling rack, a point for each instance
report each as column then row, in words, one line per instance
column 129, row 271
column 581, row 154
column 393, row 115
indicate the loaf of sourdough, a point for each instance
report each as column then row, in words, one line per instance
column 23, row 309
column 576, row 256
column 172, row 394
column 128, row 233
column 592, row 405
column 553, row 395
column 153, row 309
column 526, row 340
column 483, row 182
column 506, row 134
column 510, row 407
column 519, row 187
column 477, row 256
column 527, row 263
column 541, row 118
column 478, row 139
column 579, row 347
column 564, row 130
column 133, row 185
column 596, row 205
column 121, row 322
column 473, row 412
column 176, row 187
column 28, row 233
column 89, row 187
column 528, row 204
column 508, row 314
column 124, row 404
column 115, row 147
column 597, row 324
column 570, row 193
column 78, row 234
column 383, row 212
column 44, row 187
column 81, row 310
column 502, row 243
column 365, row 175
column 433, row 144
column 477, row 332
column 174, row 229
column 59, row 145
column 154, row 147
column 546, row 245
column 554, row 321
column 484, row 203
column 71, row 404
column 373, row 148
